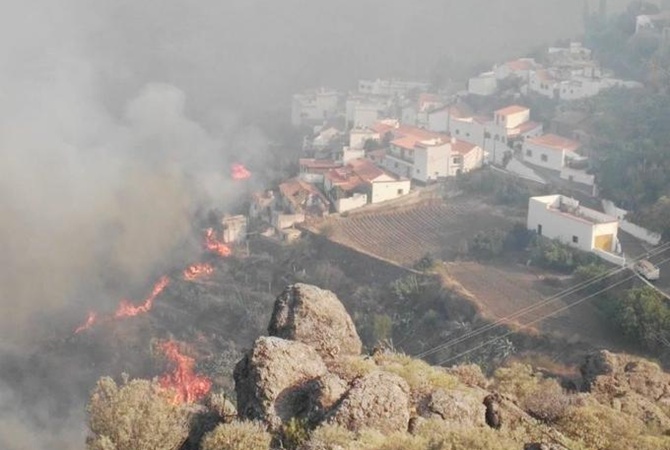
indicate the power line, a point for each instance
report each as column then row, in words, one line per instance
column 535, row 306
column 490, row 341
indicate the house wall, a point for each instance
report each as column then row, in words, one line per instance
column 605, row 229
column 388, row 190
column 546, row 88
column 485, row 84
column 559, row 226
column 467, row 130
column 437, row 121
column 578, row 176
column 357, row 138
column 282, row 221
column 629, row 227
column 555, row 159
column 347, row 204
column 432, row 162
column 512, row 120
column 473, row 160
column 397, row 166
column 365, row 115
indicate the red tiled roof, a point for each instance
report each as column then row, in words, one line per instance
column 520, row 64
column 528, row 126
column 512, row 109
column 555, row 142
column 297, row 190
column 318, row 164
column 462, row 147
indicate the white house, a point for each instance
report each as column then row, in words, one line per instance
column 520, row 68
column 550, row 151
column 364, row 110
column 484, row 84
column 360, row 182
column 425, row 155
column 544, row 82
column 563, row 218
column 390, row 88
column 509, row 124
column 314, row 106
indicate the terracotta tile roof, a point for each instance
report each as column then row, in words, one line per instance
column 318, row 164
column 512, row 109
column 528, row 126
column 356, row 174
column 555, row 142
column 297, row 191
column 521, row 64
column 462, row 147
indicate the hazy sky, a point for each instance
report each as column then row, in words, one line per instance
column 118, row 118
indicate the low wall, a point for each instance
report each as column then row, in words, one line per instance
column 618, row 260
column 347, row 204
column 629, row 227
column 578, row 176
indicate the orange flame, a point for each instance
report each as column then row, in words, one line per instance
column 214, row 245
column 90, row 321
column 127, row 309
column 188, row 386
column 239, row 172
column 197, row 271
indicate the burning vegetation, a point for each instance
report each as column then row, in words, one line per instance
column 198, row 271
column 188, row 387
column 239, row 172
column 214, row 245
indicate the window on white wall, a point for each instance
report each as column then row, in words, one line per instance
column 544, row 158
column 575, row 240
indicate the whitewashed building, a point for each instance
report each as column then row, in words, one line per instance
column 551, row 151
column 563, row 218
column 314, row 106
column 484, row 84
column 360, row 182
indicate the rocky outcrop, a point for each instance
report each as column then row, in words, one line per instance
column 315, row 317
column 631, row 385
column 461, row 408
column 379, row 400
column 272, row 381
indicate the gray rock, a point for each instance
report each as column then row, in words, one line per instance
column 379, row 400
column 315, row 317
column 460, row 408
column 272, row 381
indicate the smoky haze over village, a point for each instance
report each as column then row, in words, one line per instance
column 121, row 125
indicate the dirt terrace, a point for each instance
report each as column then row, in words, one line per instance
column 405, row 234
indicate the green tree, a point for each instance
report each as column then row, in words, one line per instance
column 643, row 316
column 137, row 415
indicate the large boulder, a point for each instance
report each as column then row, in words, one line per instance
column 379, row 400
column 273, row 381
column 460, row 408
column 315, row 317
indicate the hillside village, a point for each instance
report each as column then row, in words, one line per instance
column 392, row 138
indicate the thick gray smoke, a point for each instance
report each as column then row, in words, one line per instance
column 119, row 118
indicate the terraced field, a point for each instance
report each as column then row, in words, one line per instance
column 406, row 234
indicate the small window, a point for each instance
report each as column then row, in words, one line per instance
column 529, row 152
column 539, row 229
column 401, row 191
column 467, row 134
column 418, row 170
column 575, row 240
column 544, row 158
column 458, row 131
column 396, row 165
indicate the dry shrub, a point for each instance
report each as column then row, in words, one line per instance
column 138, row 415
column 548, row 403
column 440, row 436
column 470, row 375
column 237, row 436
column 599, row 427
column 419, row 375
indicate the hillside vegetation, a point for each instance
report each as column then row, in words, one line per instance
column 307, row 386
